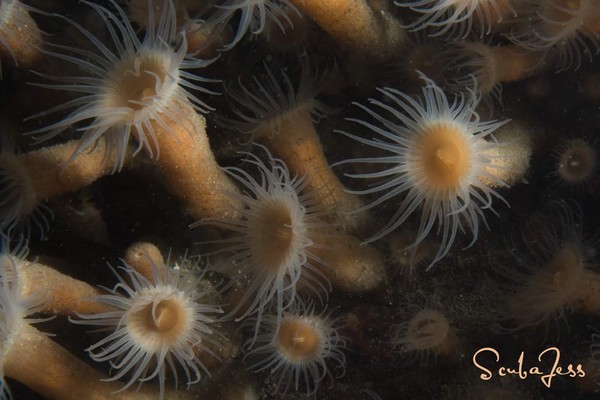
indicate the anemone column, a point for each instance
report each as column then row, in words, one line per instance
column 356, row 26
column 142, row 88
column 190, row 168
column 298, row 143
column 438, row 154
column 20, row 37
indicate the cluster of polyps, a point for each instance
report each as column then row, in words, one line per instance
column 287, row 222
column 142, row 90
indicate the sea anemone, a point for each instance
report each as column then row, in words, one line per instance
column 157, row 326
column 455, row 18
column 20, row 37
column 263, row 103
column 576, row 163
column 568, row 28
column 274, row 242
column 400, row 255
column 132, row 89
column 553, row 275
column 30, row 179
column 14, row 307
column 428, row 333
column 489, row 65
column 253, row 16
column 589, row 381
column 20, row 204
column 437, row 159
column 280, row 108
column 297, row 347
column 369, row 33
column 139, row 11
column 420, row 55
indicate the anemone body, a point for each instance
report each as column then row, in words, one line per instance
column 20, row 205
column 428, row 333
column 264, row 101
column 159, row 326
column 127, row 89
column 297, row 348
column 468, row 60
column 547, row 293
column 274, row 244
column 14, row 307
column 253, row 16
column 138, row 11
column 489, row 66
column 280, row 109
column 576, row 163
column 457, row 18
column 566, row 29
column 400, row 254
column 369, row 33
column 20, row 37
column 18, row 195
column 552, row 276
column 420, row 54
column 437, row 161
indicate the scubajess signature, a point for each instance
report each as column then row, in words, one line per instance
column 551, row 355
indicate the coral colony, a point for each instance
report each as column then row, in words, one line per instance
column 299, row 199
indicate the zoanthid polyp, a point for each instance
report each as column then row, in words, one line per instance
column 300, row 349
column 440, row 160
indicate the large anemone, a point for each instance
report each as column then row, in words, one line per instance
column 21, row 208
column 552, row 272
column 274, row 247
column 15, row 309
column 457, row 18
column 564, row 29
column 253, row 16
column 158, row 326
column 127, row 87
column 299, row 348
column 435, row 161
